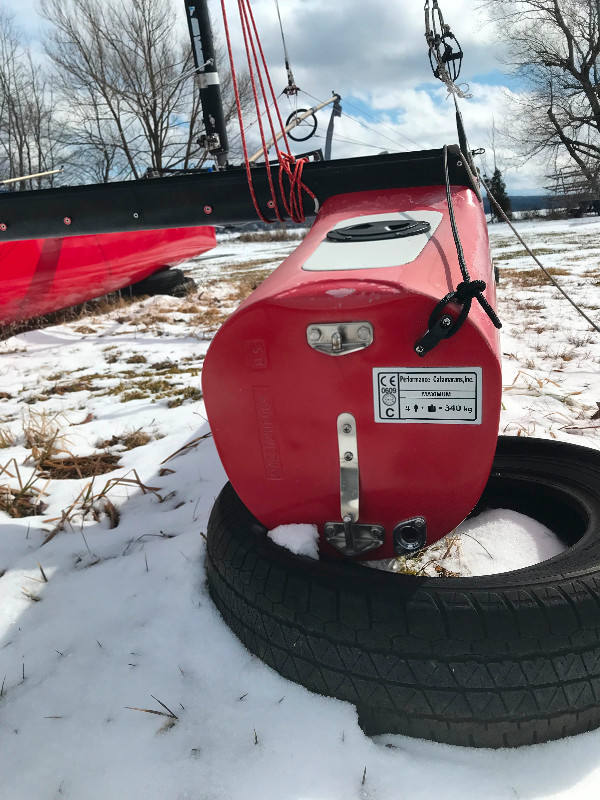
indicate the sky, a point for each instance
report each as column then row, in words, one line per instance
column 376, row 59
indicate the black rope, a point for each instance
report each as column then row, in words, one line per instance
column 441, row 325
column 550, row 277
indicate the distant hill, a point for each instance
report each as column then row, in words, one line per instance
column 533, row 202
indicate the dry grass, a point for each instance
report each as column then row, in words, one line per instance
column 42, row 433
column 524, row 278
column 537, row 251
column 248, row 282
column 103, row 305
column 7, row 438
column 83, row 384
column 272, row 236
column 128, row 440
column 77, row 467
column 24, row 500
column 97, row 504
column 429, row 559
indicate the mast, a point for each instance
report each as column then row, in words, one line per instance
column 215, row 136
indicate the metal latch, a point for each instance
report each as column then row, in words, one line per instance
column 339, row 338
column 348, row 536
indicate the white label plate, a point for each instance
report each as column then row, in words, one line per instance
column 439, row 395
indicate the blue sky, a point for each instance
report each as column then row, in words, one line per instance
column 377, row 60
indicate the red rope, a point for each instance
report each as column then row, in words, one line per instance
column 239, row 113
column 289, row 166
column 249, row 43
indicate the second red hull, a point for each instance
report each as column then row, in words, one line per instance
column 44, row 275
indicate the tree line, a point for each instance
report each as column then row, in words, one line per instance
column 113, row 95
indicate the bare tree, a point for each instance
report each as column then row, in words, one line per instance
column 28, row 142
column 555, row 47
column 130, row 98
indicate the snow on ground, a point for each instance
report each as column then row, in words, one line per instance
column 104, row 610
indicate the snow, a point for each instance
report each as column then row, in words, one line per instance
column 303, row 540
column 495, row 541
column 125, row 617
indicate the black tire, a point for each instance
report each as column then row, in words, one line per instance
column 168, row 281
column 184, row 288
column 494, row 661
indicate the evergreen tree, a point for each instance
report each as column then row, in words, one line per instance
column 498, row 189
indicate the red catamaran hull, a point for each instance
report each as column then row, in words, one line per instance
column 43, row 275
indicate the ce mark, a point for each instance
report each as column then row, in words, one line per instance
column 388, row 380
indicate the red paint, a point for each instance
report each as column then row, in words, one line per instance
column 273, row 401
column 40, row 276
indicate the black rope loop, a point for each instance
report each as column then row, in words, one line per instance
column 464, row 294
column 441, row 325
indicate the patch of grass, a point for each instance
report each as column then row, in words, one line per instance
column 7, row 438
column 90, row 502
column 537, row 251
column 42, row 431
column 133, row 394
column 136, row 359
column 174, row 369
column 128, row 440
column 580, row 339
column 427, row 561
column 189, row 393
column 533, row 277
column 211, row 318
column 74, row 467
column 18, row 504
column 271, row 236
column 159, row 366
column 79, row 385
column 246, row 284
column 92, row 308
column 25, row 500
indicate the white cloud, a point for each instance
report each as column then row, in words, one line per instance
column 375, row 57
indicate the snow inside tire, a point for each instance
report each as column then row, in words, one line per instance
column 492, row 661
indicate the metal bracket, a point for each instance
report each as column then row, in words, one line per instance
column 349, row 537
column 439, row 330
column 353, row 539
column 339, row 338
column 349, row 474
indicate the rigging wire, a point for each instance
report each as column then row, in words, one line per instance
column 369, row 128
column 383, row 124
column 344, row 139
column 291, row 89
column 374, row 130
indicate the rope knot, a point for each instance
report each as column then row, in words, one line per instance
column 468, row 291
